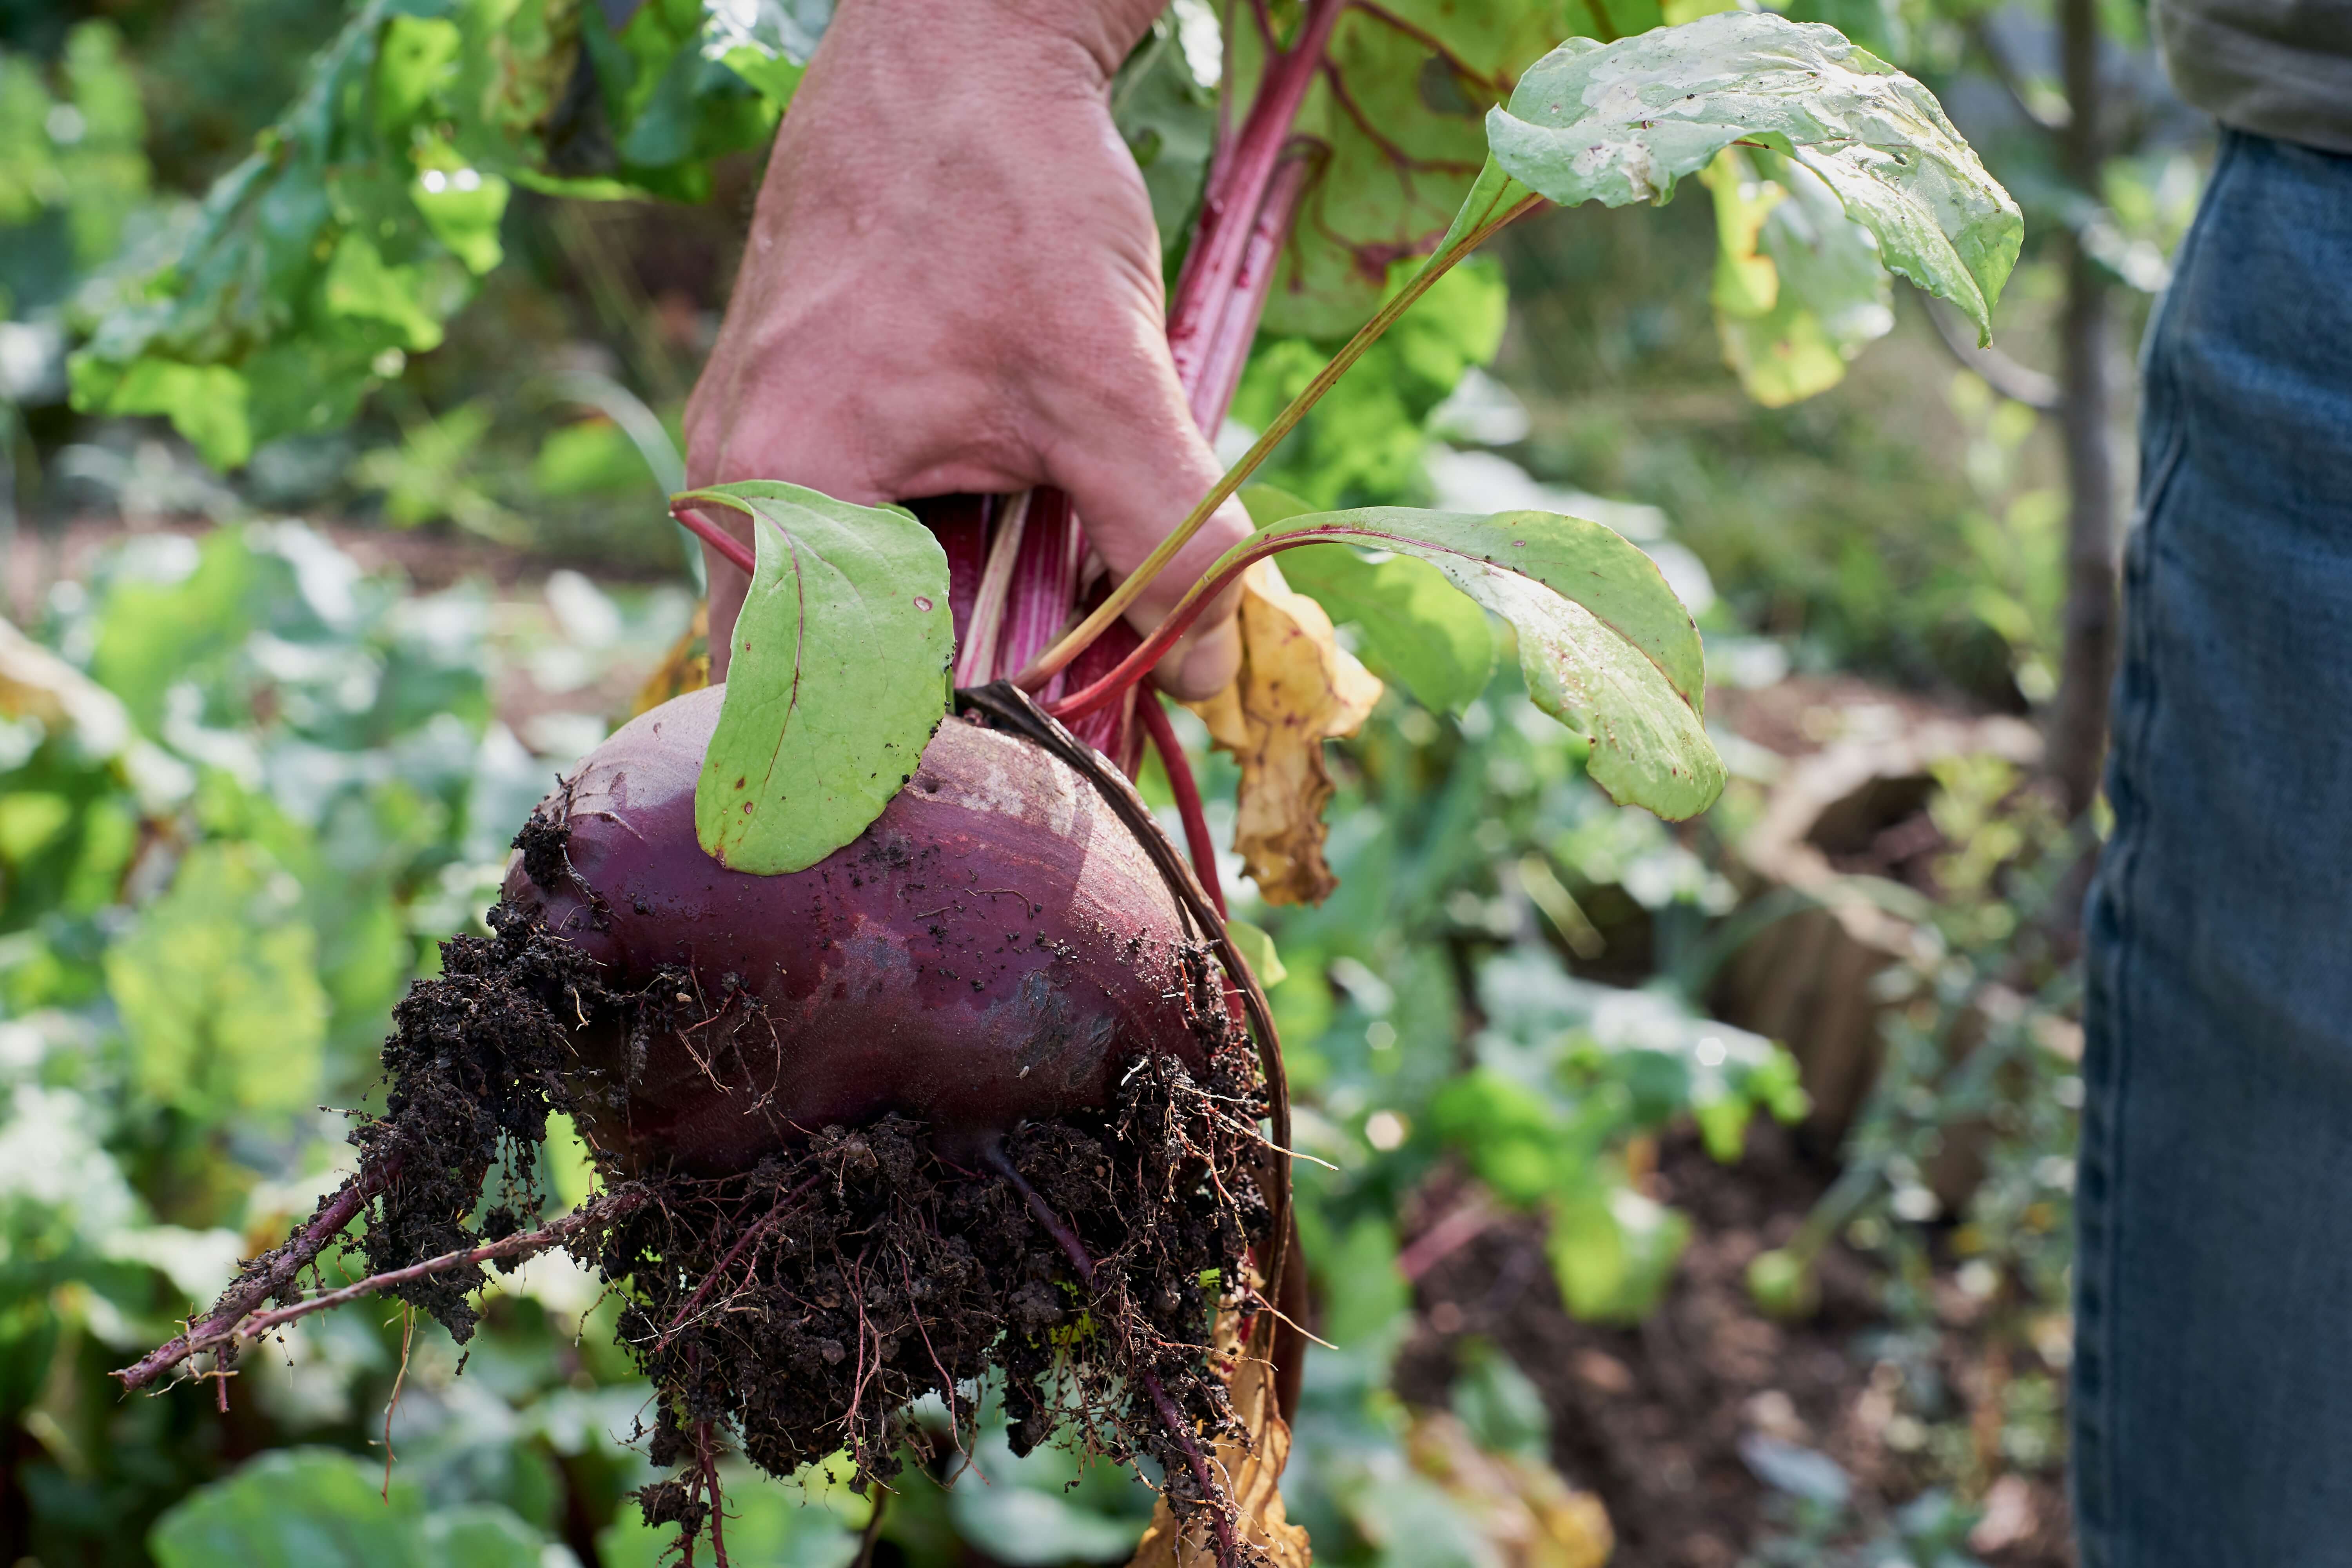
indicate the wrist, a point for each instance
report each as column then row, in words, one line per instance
column 1091, row 35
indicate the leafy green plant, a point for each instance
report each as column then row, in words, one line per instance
column 1614, row 122
column 849, row 625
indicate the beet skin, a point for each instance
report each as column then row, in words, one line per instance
column 996, row 946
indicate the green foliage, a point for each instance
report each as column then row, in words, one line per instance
column 219, row 992
column 220, row 860
column 72, row 171
column 316, row 1508
column 1396, row 127
column 1567, row 1070
column 1605, row 645
column 359, row 224
column 838, row 679
column 1362, row 443
column 1622, row 122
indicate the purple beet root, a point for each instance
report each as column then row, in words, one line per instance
column 995, row 947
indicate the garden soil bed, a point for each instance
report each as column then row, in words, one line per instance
column 1653, row 1418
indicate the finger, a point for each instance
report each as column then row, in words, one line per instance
column 1133, row 470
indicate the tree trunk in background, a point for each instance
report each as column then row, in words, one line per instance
column 2078, row 722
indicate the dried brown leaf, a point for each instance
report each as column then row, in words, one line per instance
column 1298, row 688
column 1252, row 1474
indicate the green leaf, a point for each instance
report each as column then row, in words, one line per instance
column 1417, row 630
column 479, row 1535
column 767, row 42
column 1613, row 1252
column 1622, row 122
column 206, row 404
column 300, row 1507
column 1395, row 128
column 837, row 680
column 218, row 989
column 1606, row 647
column 1798, row 288
column 1255, row 945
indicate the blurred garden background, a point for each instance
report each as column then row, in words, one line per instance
column 1686, row 1196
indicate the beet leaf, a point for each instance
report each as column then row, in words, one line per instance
column 838, row 676
column 1622, row 122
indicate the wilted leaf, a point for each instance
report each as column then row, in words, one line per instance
column 1252, row 1474
column 1526, row 1514
column 1416, row 629
column 1622, row 122
column 1296, row 688
column 837, row 679
column 1606, row 647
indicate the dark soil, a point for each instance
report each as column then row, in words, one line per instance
column 801, row 1307
column 1652, row 1417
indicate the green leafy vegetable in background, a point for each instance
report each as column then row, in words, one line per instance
column 360, row 223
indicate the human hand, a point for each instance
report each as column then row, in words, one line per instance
column 952, row 283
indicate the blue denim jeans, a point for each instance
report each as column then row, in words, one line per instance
column 2213, row 1397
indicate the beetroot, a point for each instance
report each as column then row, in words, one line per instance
column 996, row 947
column 968, row 1100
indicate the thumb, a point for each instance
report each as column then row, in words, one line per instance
column 1131, row 481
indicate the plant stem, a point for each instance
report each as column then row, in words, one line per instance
column 1213, row 290
column 285, row 1267
column 1044, row 578
column 1054, row 659
column 1187, row 790
column 976, row 665
column 2078, row 720
column 736, row 552
column 1221, row 575
column 1217, row 373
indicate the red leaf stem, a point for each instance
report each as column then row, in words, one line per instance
column 1045, row 580
column 1187, row 791
column 1226, row 349
column 1207, row 289
column 1135, row 666
column 733, row 550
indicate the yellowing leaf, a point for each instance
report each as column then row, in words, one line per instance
column 1298, row 688
column 1530, row 1516
column 1252, row 1474
column 685, row 668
